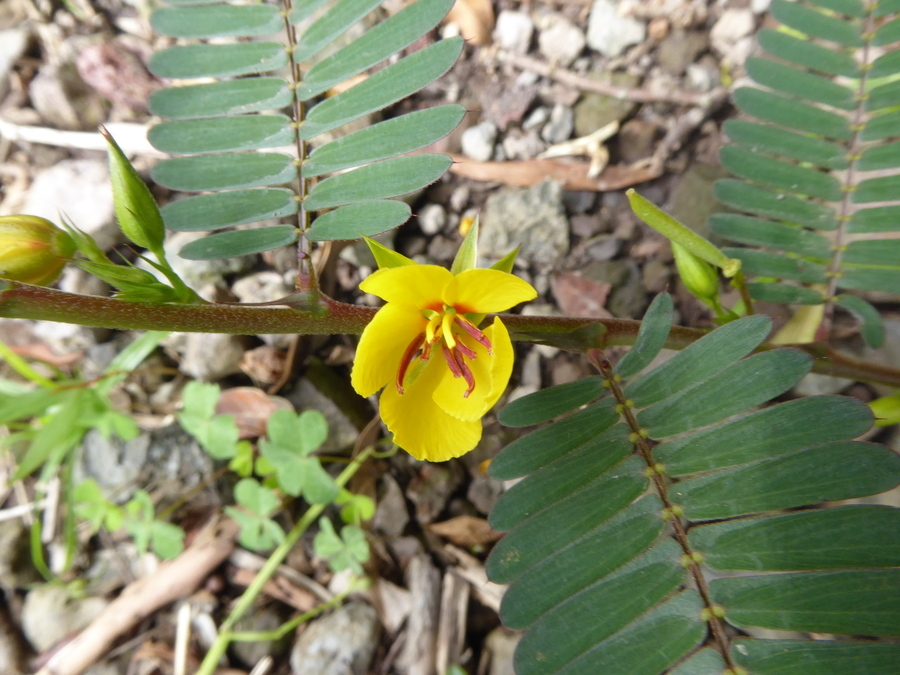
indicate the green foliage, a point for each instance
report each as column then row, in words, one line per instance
column 258, row 531
column 217, row 434
column 291, row 440
column 217, row 126
column 137, row 516
column 345, row 552
column 825, row 112
column 659, row 500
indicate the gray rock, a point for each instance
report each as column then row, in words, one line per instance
column 391, row 514
column 531, row 217
column 198, row 274
column 12, row 647
column 65, row 338
column 703, row 76
column 594, row 111
column 63, row 99
column 432, row 219
column 176, row 463
column 341, row 432
column 208, row 356
column 815, row 384
column 732, row 26
column 656, row 275
column 560, row 40
column 12, row 45
column 260, row 618
column 603, row 247
column 525, row 145
column 341, row 643
column 560, row 125
column 536, row 118
column 16, row 568
column 115, row 465
column 265, row 287
column 680, row 48
column 513, row 31
column 609, row 33
column 628, row 297
column 478, row 141
column 80, row 188
column 50, row 614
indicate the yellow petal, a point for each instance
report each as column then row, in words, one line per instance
column 491, row 373
column 382, row 345
column 488, row 291
column 417, row 285
column 419, row 426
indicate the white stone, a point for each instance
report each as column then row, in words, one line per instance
column 478, row 141
column 432, row 219
column 561, row 41
column 733, row 25
column 80, row 189
column 609, row 33
column 513, row 31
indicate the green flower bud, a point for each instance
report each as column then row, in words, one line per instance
column 699, row 277
column 32, row 249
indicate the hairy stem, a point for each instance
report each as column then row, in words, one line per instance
column 318, row 315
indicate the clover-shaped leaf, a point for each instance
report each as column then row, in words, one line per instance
column 217, row 434
column 347, row 551
column 291, row 439
column 258, row 531
column 91, row 505
column 355, row 508
column 166, row 540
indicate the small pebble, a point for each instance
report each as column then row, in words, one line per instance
column 432, row 219
column 513, row 31
column 559, row 127
column 478, row 141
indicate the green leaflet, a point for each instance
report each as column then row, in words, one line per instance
column 203, row 60
column 219, row 172
column 231, row 97
column 594, row 575
column 240, row 242
column 219, row 20
column 652, row 336
column 237, row 207
column 802, row 657
column 544, row 405
column 365, row 219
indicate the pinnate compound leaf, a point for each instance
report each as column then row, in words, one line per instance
column 544, row 405
column 219, row 172
column 223, row 209
column 872, row 327
column 220, row 20
column 365, row 219
column 384, row 39
column 231, row 97
column 383, row 88
column 652, row 336
column 383, row 140
column 226, row 60
column 390, row 178
column 221, row 134
column 239, row 242
column 804, row 657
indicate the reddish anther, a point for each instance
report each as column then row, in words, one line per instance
column 466, row 373
column 407, row 359
column 466, row 351
column 450, row 358
column 472, row 330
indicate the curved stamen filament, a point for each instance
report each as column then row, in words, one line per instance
column 472, row 330
column 468, row 352
column 466, row 373
column 407, row 359
column 446, row 332
column 452, row 363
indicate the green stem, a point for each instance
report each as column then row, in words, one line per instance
column 287, row 627
column 245, row 602
column 23, row 368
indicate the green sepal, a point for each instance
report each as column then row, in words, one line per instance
column 467, row 255
column 133, row 284
column 136, row 210
column 674, row 231
column 506, row 263
column 698, row 276
column 386, row 258
column 84, row 243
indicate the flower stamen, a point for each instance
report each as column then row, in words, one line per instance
column 467, row 351
column 407, row 359
column 476, row 334
column 466, row 373
column 452, row 362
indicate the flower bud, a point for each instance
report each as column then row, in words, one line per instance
column 32, row 249
column 699, row 277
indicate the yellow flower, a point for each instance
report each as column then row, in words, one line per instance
column 441, row 373
column 32, row 249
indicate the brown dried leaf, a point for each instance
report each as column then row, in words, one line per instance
column 577, row 296
column 475, row 20
column 572, row 175
column 251, row 409
column 466, row 531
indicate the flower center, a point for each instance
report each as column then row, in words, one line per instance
column 445, row 328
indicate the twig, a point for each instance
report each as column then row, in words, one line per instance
column 21, row 510
column 171, row 581
column 182, row 638
column 712, row 99
column 132, row 138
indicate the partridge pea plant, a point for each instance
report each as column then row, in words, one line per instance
column 668, row 518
